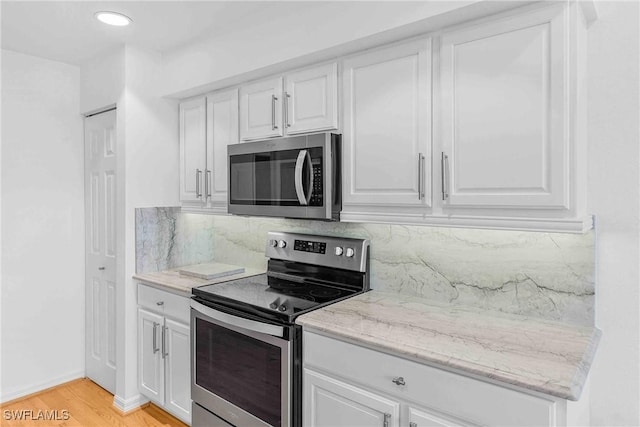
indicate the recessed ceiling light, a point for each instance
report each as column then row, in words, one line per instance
column 113, row 18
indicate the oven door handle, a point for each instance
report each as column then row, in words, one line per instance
column 302, row 156
column 238, row 322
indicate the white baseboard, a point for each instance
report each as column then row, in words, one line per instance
column 33, row 388
column 126, row 405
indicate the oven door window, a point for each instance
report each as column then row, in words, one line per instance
column 269, row 178
column 240, row 369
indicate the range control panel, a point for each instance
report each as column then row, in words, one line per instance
column 328, row 251
column 310, row 246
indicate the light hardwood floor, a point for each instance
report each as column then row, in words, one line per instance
column 88, row 405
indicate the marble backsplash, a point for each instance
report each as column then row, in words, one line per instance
column 545, row 275
column 167, row 238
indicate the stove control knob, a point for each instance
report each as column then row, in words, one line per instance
column 273, row 305
column 282, row 244
column 273, row 243
column 339, row 250
column 282, row 308
column 350, row 252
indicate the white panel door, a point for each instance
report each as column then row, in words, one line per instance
column 222, row 130
column 504, row 123
column 311, row 99
column 387, row 126
column 332, row 403
column 100, row 247
column 261, row 109
column 193, row 146
column 150, row 359
column 178, row 369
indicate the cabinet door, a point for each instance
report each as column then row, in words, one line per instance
column 424, row 418
column 387, row 126
column 150, row 361
column 192, row 149
column 261, row 109
column 311, row 100
column 504, row 124
column 329, row 402
column 178, row 369
column 222, row 130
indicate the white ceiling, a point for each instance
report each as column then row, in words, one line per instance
column 66, row 31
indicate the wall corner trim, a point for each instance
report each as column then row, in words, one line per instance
column 127, row 405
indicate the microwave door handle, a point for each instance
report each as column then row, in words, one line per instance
column 302, row 198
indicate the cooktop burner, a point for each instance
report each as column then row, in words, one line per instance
column 297, row 280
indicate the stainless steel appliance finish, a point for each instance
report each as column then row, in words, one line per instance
column 216, row 395
column 246, row 348
column 202, row 417
column 293, row 177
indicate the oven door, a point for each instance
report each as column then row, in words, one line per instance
column 290, row 177
column 240, row 368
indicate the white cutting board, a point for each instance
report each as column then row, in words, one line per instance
column 211, row 270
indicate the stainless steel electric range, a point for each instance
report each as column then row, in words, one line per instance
column 246, row 349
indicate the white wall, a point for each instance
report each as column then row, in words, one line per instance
column 152, row 179
column 614, row 197
column 289, row 30
column 102, row 81
column 42, row 225
column 147, row 171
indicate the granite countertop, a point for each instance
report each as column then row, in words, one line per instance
column 173, row 281
column 549, row 357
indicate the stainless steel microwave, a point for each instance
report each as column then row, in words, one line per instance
column 293, row 177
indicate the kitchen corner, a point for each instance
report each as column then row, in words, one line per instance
column 514, row 309
column 280, row 214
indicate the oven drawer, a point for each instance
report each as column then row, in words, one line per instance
column 463, row 397
column 202, row 418
column 163, row 302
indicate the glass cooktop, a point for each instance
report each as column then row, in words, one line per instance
column 286, row 298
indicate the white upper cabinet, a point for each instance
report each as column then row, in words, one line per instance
column 387, row 127
column 311, row 100
column 192, row 149
column 207, row 126
column 299, row 102
column 222, row 130
column 481, row 124
column 505, row 113
column 261, row 109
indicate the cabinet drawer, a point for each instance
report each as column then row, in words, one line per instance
column 462, row 397
column 163, row 302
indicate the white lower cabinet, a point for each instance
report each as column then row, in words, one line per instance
column 348, row 385
column 423, row 418
column 330, row 402
column 164, row 374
